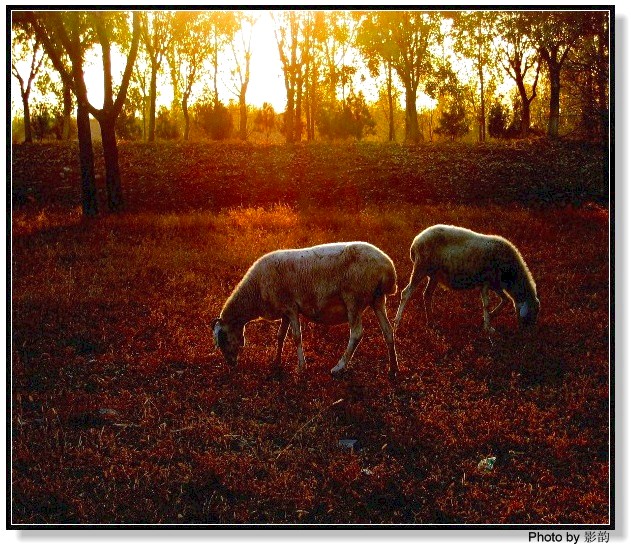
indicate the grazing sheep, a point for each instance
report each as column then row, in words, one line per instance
column 328, row 284
column 458, row 258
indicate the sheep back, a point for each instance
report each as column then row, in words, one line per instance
column 310, row 278
column 466, row 258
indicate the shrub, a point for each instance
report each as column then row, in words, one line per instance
column 166, row 127
column 214, row 119
column 452, row 122
column 352, row 119
column 498, row 120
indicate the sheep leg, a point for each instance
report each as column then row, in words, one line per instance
column 355, row 323
column 281, row 336
column 485, row 300
column 415, row 279
column 502, row 302
column 379, row 307
column 296, row 330
column 427, row 297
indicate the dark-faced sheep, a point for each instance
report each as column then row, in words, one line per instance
column 457, row 258
column 328, row 284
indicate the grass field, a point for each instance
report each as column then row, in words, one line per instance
column 122, row 411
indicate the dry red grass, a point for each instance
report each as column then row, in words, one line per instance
column 124, row 413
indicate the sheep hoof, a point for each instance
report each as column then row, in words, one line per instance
column 337, row 369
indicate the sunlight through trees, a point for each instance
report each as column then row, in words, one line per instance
column 332, row 74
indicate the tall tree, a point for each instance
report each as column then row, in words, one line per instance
column 223, row 27
column 112, row 27
column 378, row 55
column 555, row 34
column 190, row 49
column 335, row 31
column 67, row 107
column 157, row 35
column 332, row 59
column 25, row 48
column 404, row 40
column 474, row 32
column 294, row 52
column 518, row 57
column 66, row 37
column 241, row 72
column 587, row 73
column 50, row 83
column 66, row 29
column 139, row 92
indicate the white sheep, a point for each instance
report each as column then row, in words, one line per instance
column 328, row 284
column 457, row 258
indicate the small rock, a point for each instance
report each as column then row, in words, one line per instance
column 350, row 444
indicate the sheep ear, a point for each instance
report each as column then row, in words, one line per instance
column 217, row 331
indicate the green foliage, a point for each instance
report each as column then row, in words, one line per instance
column 498, row 117
column 47, row 121
column 127, row 126
column 404, row 40
column 409, row 45
column 265, row 119
column 452, row 122
column 43, row 122
column 214, row 119
column 166, row 126
column 351, row 119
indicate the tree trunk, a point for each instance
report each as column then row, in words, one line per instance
column 555, row 88
column 482, row 101
column 28, row 135
column 307, row 113
column 152, row 100
column 144, row 121
column 216, row 95
column 313, row 112
column 290, row 116
column 525, row 105
column 187, row 121
column 430, row 125
column 87, row 170
column 482, row 108
column 298, row 112
column 111, row 164
column 413, row 135
column 525, row 117
column 66, row 113
column 243, row 116
column 391, row 106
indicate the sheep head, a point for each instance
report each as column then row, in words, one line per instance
column 527, row 312
column 229, row 339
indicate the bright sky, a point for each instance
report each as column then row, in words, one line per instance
column 266, row 79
